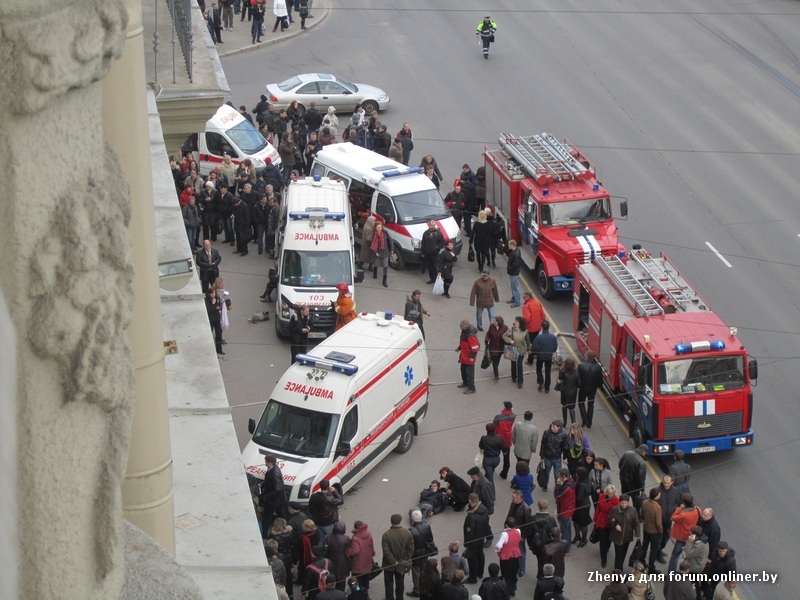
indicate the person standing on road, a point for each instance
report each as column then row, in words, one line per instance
column 632, row 470
column 381, row 247
column 483, row 295
column 552, row 448
column 257, row 11
column 273, row 498
column 494, row 343
column 485, row 31
column 476, row 531
column 323, row 507
column 623, row 521
column 398, row 549
column 207, row 260
column 444, row 264
column 508, row 552
column 533, row 313
column 525, row 437
column 214, row 310
column 680, row 472
column 513, row 268
column 544, row 346
column 591, row 377
column 569, row 382
column 565, row 504
column 504, row 423
column 517, row 337
column 424, row 547
column 467, row 352
column 432, row 243
column 344, row 306
column 481, row 239
column 493, row 446
column 414, row 310
column 652, row 526
column 299, row 326
column 360, row 551
column 669, row 498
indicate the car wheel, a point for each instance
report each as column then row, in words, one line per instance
column 369, row 106
column 406, row 439
column 301, row 110
column 544, row 283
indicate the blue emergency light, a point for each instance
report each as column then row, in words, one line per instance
column 329, row 216
column 326, row 365
column 398, row 172
column 699, row 347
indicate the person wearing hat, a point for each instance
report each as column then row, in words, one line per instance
column 467, row 352
column 504, row 424
column 344, row 306
column 333, row 121
column 397, row 544
column 361, row 551
column 632, row 470
column 484, row 294
column 485, row 31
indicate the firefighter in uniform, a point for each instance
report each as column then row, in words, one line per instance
column 485, row 30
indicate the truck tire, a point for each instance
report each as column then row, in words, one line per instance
column 637, row 436
column 544, row 283
column 406, row 439
column 396, row 260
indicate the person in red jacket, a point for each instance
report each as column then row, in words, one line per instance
column 533, row 313
column 686, row 516
column 467, row 352
column 508, row 551
column 606, row 501
column 504, row 423
column 565, row 504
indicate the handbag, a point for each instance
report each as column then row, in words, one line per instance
column 636, row 554
column 376, row 570
column 471, row 254
column 558, row 386
column 542, row 476
column 479, row 459
column 594, row 537
column 438, row 286
column 511, row 352
column 487, row 360
column 650, row 594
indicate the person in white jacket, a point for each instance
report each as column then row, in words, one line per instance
column 281, row 15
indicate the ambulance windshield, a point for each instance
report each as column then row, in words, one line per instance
column 420, row 207
column 247, row 138
column 316, row 268
column 576, row 211
column 701, row 374
column 295, row 430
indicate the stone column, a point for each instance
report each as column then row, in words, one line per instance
column 147, row 492
column 66, row 276
column 8, row 455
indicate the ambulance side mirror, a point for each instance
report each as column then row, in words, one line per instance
column 359, row 275
column 251, row 426
column 752, row 369
column 343, row 449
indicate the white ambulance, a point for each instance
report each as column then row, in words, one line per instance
column 401, row 198
column 341, row 408
column 228, row 132
column 315, row 253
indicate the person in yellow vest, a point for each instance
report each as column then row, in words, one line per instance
column 344, row 306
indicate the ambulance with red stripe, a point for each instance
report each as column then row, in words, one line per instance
column 228, row 132
column 344, row 406
column 400, row 197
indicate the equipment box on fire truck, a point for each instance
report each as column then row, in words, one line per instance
column 315, row 253
column 680, row 375
column 344, row 406
column 401, row 198
column 548, row 195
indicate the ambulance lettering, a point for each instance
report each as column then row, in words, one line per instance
column 316, row 237
column 308, row 390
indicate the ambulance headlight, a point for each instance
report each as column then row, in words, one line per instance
column 305, row 488
column 416, row 244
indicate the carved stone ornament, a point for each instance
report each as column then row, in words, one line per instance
column 67, row 45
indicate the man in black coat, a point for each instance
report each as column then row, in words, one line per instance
column 633, row 471
column 207, row 259
column 546, row 583
column 241, row 226
column 273, row 175
column 299, row 326
column 424, row 548
column 312, row 118
column 432, row 244
column 225, row 211
column 444, row 265
column 591, row 377
column 261, row 109
column 261, row 220
column 476, row 531
column 669, row 498
column 273, row 497
column 216, row 17
column 513, row 269
column 494, row 587
column 555, row 551
column 543, row 523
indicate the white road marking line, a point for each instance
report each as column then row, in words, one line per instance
column 722, row 258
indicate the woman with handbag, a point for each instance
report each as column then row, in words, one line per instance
column 605, row 503
column 568, row 384
column 516, row 347
column 494, row 343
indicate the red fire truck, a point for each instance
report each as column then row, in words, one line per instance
column 680, row 376
column 547, row 194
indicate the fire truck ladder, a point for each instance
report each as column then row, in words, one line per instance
column 634, row 291
column 543, row 154
column 662, row 279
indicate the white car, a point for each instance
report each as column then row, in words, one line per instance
column 326, row 90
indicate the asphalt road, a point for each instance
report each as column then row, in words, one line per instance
column 689, row 111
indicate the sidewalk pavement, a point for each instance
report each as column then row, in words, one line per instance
column 239, row 40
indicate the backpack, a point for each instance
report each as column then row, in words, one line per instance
column 322, row 580
column 539, row 535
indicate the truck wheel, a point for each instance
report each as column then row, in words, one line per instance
column 544, row 283
column 636, row 434
column 396, row 260
column 406, row 438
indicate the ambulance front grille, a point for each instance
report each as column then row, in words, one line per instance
column 682, row 428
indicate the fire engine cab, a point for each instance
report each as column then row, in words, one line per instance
column 547, row 194
column 679, row 374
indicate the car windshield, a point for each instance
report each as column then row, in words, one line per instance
column 702, row 374
column 247, row 138
column 289, row 84
column 296, row 430
column 420, row 207
column 577, row 211
column 316, row 268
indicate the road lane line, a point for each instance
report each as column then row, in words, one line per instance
column 719, row 256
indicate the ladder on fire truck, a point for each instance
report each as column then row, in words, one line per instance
column 543, row 156
column 631, row 288
column 662, row 278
